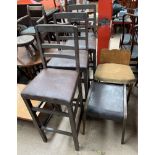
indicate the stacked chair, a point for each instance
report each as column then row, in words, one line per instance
column 107, row 97
column 74, row 18
column 66, row 62
column 90, row 9
column 56, row 85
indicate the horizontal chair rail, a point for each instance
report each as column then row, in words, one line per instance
column 65, row 47
column 36, row 109
column 70, row 15
column 81, row 7
column 60, row 55
column 71, row 37
column 56, row 131
column 56, row 28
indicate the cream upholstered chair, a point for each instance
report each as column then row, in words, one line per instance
column 107, row 97
column 114, row 67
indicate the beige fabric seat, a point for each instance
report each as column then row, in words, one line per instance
column 114, row 73
column 114, row 67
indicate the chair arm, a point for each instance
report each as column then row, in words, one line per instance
column 42, row 19
column 22, row 18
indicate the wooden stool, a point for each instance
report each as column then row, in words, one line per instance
column 27, row 40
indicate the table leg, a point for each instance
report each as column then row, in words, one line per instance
column 30, row 50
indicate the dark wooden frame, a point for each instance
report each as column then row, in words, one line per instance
column 71, row 114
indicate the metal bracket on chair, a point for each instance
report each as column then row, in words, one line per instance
column 103, row 21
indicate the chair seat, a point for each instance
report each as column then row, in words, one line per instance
column 105, row 101
column 114, row 73
column 29, row 30
column 69, row 63
column 52, row 85
column 82, row 43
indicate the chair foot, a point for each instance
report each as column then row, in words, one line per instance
column 73, row 128
column 123, row 131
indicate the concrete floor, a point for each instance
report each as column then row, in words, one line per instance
column 103, row 137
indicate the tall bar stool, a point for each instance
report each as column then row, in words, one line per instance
column 57, row 86
column 74, row 18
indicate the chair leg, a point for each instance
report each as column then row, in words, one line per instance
column 94, row 61
column 36, row 121
column 34, row 47
column 84, row 121
column 73, row 127
column 129, row 93
column 123, row 130
column 81, row 100
column 86, row 81
column 29, row 50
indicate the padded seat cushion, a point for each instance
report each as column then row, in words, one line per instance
column 106, row 101
column 54, row 85
column 114, row 73
column 82, row 43
column 69, row 63
column 29, row 30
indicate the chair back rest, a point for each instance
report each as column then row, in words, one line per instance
column 35, row 12
column 78, row 19
column 115, row 56
column 90, row 9
column 57, row 48
column 134, row 21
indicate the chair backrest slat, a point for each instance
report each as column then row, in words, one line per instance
column 62, row 47
column 78, row 19
column 35, row 12
column 60, row 55
column 56, row 49
column 90, row 9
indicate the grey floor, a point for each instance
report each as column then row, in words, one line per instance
column 103, row 137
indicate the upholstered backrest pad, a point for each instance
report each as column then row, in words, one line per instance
column 115, row 56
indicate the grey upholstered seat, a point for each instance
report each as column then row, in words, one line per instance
column 30, row 30
column 106, row 101
column 53, row 85
column 82, row 44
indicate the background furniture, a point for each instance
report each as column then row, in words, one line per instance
column 35, row 14
column 26, row 41
column 22, row 111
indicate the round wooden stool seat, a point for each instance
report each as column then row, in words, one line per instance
column 24, row 40
column 27, row 41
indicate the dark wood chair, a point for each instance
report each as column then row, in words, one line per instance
column 126, row 37
column 129, row 40
column 90, row 9
column 74, row 19
column 56, row 86
column 35, row 15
